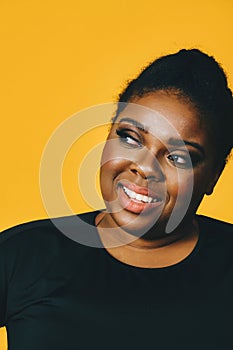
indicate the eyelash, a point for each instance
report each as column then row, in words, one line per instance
column 124, row 135
column 186, row 163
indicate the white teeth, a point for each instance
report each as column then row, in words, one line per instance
column 138, row 196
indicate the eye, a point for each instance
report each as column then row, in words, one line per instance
column 127, row 138
column 182, row 161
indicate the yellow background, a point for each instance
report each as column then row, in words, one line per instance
column 59, row 57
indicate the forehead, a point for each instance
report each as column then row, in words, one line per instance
column 164, row 115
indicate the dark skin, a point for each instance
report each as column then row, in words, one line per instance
column 143, row 152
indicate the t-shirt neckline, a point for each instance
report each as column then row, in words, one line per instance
column 188, row 259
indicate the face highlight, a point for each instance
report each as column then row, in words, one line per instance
column 157, row 163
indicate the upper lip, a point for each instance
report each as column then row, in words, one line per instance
column 140, row 189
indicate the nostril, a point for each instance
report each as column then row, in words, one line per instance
column 156, row 178
column 136, row 172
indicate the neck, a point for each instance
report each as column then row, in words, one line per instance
column 156, row 251
column 155, row 238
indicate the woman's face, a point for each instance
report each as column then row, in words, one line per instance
column 158, row 161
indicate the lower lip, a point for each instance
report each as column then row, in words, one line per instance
column 133, row 205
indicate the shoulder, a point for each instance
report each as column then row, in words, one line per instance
column 214, row 226
column 215, row 248
column 29, row 250
column 37, row 226
column 45, row 231
column 37, row 256
column 216, row 233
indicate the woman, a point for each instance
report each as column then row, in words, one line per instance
column 164, row 277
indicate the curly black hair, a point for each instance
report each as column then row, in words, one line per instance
column 197, row 77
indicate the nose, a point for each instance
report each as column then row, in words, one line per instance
column 147, row 166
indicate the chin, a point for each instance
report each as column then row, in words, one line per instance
column 136, row 224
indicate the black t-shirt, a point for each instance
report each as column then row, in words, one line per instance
column 58, row 294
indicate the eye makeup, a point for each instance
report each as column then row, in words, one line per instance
column 176, row 151
column 129, row 137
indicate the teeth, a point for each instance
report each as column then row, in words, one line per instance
column 138, row 196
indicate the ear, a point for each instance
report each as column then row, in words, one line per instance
column 211, row 185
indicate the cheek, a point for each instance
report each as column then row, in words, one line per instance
column 111, row 151
column 114, row 150
column 111, row 168
column 187, row 190
column 180, row 188
column 200, row 186
column 109, row 172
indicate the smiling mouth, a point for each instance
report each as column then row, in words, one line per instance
column 140, row 197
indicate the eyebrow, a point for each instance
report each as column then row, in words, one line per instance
column 135, row 123
column 180, row 143
column 171, row 141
